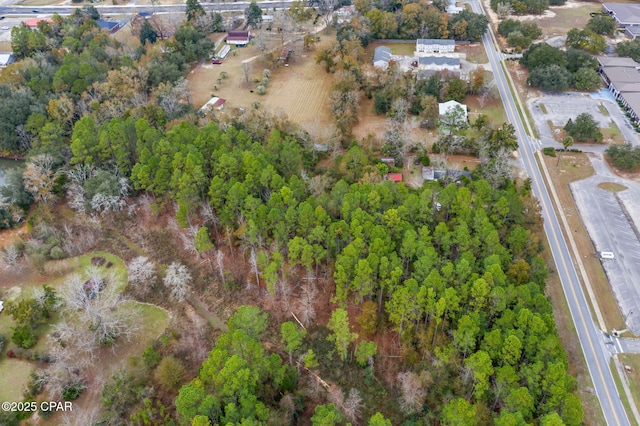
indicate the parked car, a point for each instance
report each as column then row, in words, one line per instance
column 216, row 62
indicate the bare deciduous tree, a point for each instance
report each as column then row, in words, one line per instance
column 10, row 258
column 142, row 274
column 94, row 313
column 353, row 405
column 336, row 396
column 39, row 178
column 177, row 279
column 219, row 264
column 307, row 302
column 412, row 392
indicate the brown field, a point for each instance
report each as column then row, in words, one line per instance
column 566, row 17
column 475, row 52
column 299, row 90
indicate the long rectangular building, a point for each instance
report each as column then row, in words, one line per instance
column 622, row 77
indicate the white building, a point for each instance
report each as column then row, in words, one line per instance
column 381, row 57
column 213, row 103
column 435, row 46
column 438, row 63
column 444, row 107
column 6, row 58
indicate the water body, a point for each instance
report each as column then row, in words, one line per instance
column 6, row 165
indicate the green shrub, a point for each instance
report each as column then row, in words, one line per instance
column 169, row 373
column 23, row 336
column 550, row 151
column 151, row 357
column 73, row 390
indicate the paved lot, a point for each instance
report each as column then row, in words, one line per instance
column 611, row 219
column 5, row 27
column 561, row 107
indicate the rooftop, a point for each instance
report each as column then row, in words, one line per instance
column 435, row 41
column 607, row 61
column 618, row 75
column 438, row 60
column 382, row 53
column 624, row 13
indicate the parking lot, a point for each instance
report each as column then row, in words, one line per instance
column 611, row 219
column 559, row 108
column 5, row 28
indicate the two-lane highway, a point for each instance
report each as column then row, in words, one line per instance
column 591, row 338
column 135, row 9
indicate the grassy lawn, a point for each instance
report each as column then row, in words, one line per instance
column 543, row 108
column 15, row 375
column 602, row 109
column 573, row 167
column 300, row 90
column 632, row 380
column 612, row 134
column 633, row 362
column 566, row 18
column 41, row 3
column 404, row 49
column 475, row 53
column 612, row 186
column 153, row 320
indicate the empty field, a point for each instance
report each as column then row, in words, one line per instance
column 300, row 90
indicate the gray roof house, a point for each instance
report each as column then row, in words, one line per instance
column 381, row 57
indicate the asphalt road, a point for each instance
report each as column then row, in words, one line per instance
column 591, row 338
column 135, row 9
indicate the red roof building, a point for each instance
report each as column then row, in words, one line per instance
column 394, row 177
column 33, row 22
column 238, row 38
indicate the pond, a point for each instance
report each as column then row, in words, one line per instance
column 6, row 164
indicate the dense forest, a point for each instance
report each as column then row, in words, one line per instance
column 447, row 279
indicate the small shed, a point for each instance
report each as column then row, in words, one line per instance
column 6, row 58
column 428, row 173
column 213, row 103
column 388, row 160
column 111, row 27
column 394, row 177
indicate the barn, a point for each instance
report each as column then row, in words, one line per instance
column 238, row 38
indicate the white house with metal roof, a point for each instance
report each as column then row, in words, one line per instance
column 381, row 57
column 6, row 58
column 424, row 45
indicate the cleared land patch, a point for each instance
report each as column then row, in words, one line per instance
column 300, row 90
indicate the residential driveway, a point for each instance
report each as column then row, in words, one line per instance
column 559, row 108
column 612, row 220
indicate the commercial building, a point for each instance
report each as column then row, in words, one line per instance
column 622, row 77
